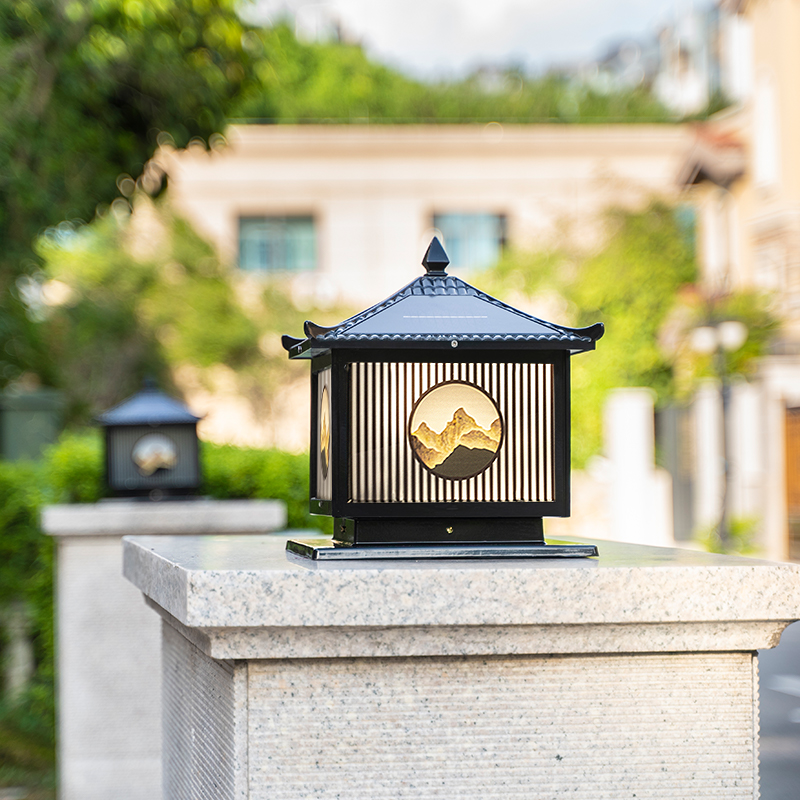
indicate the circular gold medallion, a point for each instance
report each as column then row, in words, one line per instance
column 455, row 430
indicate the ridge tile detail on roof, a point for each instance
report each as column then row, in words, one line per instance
column 438, row 307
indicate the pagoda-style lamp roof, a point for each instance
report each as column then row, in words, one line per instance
column 148, row 407
column 442, row 308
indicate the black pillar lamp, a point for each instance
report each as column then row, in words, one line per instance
column 151, row 446
column 440, row 425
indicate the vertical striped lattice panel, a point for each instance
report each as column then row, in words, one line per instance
column 383, row 468
column 198, row 718
column 653, row 727
column 324, row 482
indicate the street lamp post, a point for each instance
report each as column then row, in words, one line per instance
column 717, row 340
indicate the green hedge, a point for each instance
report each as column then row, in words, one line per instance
column 239, row 472
column 72, row 472
column 27, row 729
column 75, row 475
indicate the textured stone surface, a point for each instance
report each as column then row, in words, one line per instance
column 457, row 640
column 203, row 720
column 123, row 517
column 534, row 727
column 223, row 582
column 531, row 727
column 108, row 658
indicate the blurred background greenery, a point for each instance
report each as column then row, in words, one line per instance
column 89, row 88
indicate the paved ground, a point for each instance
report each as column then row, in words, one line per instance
column 780, row 718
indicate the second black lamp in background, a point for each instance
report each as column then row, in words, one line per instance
column 151, row 444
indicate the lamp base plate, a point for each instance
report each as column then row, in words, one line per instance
column 328, row 550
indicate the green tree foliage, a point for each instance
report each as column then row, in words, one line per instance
column 336, row 82
column 135, row 294
column 129, row 296
column 85, row 88
column 695, row 309
column 631, row 284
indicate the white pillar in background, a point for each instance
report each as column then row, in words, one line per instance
column 747, row 450
column 640, row 496
column 709, row 466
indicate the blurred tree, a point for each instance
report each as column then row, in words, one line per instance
column 631, row 284
column 88, row 87
column 642, row 284
column 85, row 88
column 695, row 309
column 129, row 295
column 132, row 294
column 335, row 81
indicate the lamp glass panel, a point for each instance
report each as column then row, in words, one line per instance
column 324, row 439
column 510, row 404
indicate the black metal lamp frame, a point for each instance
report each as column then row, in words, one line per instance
column 469, row 489
column 150, row 411
column 438, row 528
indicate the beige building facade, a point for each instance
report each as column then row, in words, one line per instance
column 347, row 211
column 746, row 163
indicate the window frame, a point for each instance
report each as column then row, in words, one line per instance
column 300, row 265
column 454, row 249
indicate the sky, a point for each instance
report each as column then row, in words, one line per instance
column 432, row 39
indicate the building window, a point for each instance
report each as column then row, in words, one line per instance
column 277, row 244
column 472, row 240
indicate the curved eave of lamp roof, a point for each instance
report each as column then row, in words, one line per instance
column 439, row 309
column 148, row 407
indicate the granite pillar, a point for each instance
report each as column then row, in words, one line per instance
column 108, row 643
column 631, row 675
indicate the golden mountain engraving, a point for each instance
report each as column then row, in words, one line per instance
column 433, row 449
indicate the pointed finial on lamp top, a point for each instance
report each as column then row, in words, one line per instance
column 435, row 259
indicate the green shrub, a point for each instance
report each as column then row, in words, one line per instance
column 27, row 727
column 20, row 498
column 243, row 472
column 74, row 468
column 742, row 533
